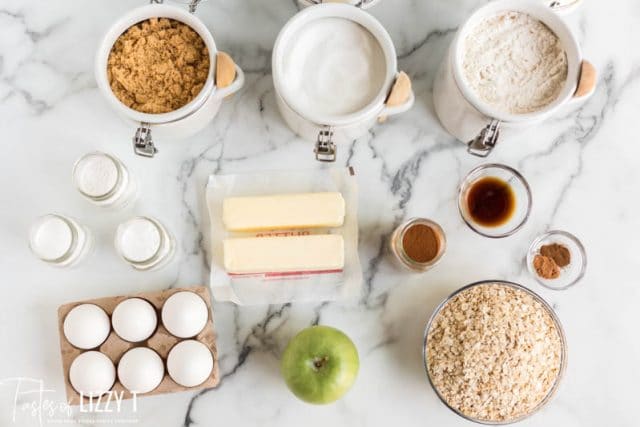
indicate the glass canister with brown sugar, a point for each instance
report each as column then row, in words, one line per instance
column 418, row 244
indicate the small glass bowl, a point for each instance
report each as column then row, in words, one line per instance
column 521, row 191
column 570, row 274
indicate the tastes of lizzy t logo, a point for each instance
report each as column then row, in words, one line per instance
column 30, row 399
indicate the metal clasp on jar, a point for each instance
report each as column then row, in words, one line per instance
column 193, row 4
column 483, row 144
column 325, row 148
column 562, row 5
column 361, row 4
column 142, row 141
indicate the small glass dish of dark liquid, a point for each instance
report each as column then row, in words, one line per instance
column 494, row 200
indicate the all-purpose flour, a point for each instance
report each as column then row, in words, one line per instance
column 333, row 66
column 515, row 63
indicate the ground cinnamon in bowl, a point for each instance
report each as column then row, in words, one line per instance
column 546, row 267
column 550, row 260
column 560, row 254
column 418, row 244
column 158, row 65
column 556, row 259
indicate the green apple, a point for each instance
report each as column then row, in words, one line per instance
column 320, row 364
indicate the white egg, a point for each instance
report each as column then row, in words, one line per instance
column 185, row 314
column 86, row 326
column 92, row 374
column 134, row 319
column 190, row 363
column 140, row 370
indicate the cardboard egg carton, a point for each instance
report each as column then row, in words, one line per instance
column 161, row 342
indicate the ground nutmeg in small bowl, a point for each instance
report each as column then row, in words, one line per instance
column 158, row 66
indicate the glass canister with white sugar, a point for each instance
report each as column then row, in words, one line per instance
column 335, row 73
column 144, row 243
column 104, row 180
column 59, row 240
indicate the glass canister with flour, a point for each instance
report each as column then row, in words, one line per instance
column 335, row 74
column 513, row 63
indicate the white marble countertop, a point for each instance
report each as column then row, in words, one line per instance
column 583, row 169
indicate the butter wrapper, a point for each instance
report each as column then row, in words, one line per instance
column 274, row 287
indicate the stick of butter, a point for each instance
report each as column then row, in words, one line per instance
column 317, row 252
column 284, row 211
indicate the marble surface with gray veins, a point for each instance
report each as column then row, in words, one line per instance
column 582, row 167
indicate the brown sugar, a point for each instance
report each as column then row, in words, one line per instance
column 546, row 267
column 158, row 65
column 421, row 243
column 558, row 253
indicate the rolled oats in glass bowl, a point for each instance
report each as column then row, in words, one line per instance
column 494, row 352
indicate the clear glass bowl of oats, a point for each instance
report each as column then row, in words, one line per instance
column 494, row 352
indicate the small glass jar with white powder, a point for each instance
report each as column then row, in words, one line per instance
column 144, row 243
column 59, row 240
column 104, row 180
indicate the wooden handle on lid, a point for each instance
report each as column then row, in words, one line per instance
column 588, row 79
column 400, row 93
column 225, row 70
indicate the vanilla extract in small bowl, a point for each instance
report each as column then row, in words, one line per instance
column 491, row 201
column 494, row 200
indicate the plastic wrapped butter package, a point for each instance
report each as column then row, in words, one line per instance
column 273, row 287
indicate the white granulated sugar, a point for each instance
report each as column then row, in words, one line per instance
column 52, row 238
column 515, row 63
column 96, row 175
column 334, row 66
column 139, row 239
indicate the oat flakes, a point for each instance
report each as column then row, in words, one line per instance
column 494, row 352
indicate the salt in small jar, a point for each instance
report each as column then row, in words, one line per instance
column 104, row 180
column 59, row 240
column 144, row 243
column 418, row 244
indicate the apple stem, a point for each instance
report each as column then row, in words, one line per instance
column 319, row 362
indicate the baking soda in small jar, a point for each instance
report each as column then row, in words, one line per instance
column 58, row 240
column 144, row 243
column 104, row 180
